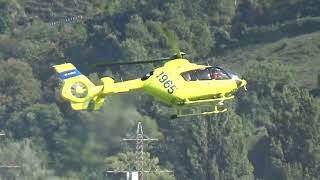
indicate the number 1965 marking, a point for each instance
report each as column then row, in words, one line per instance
column 168, row 84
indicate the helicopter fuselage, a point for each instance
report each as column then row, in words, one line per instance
column 179, row 81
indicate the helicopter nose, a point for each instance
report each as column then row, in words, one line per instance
column 238, row 81
column 241, row 83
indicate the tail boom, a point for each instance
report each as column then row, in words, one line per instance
column 120, row 87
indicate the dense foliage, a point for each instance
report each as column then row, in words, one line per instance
column 272, row 131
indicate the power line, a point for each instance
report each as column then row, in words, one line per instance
column 67, row 20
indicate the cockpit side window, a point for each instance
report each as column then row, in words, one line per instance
column 203, row 74
column 194, row 75
column 211, row 73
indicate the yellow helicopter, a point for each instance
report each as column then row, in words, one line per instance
column 179, row 83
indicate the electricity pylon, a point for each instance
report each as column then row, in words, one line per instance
column 140, row 138
column 7, row 166
column 139, row 161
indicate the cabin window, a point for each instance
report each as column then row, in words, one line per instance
column 211, row 73
column 194, row 75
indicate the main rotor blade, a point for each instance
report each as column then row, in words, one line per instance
column 172, row 41
column 132, row 62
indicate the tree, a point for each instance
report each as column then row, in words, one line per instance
column 265, row 79
column 31, row 162
column 296, row 125
column 18, row 87
column 39, row 121
column 9, row 12
column 291, row 118
column 207, row 147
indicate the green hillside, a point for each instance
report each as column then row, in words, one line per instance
column 300, row 53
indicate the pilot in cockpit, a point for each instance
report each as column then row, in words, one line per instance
column 215, row 74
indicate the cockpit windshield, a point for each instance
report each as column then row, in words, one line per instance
column 210, row 73
column 218, row 73
column 233, row 75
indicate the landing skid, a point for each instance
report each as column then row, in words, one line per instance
column 207, row 101
column 216, row 111
column 216, row 104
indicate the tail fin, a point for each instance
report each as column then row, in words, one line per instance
column 78, row 89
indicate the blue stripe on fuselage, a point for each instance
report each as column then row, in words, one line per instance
column 69, row 74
